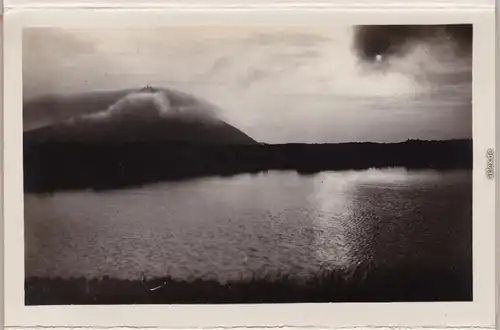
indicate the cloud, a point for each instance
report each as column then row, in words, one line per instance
column 146, row 105
column 396, row 40
column 48, row 57
column 284, row 84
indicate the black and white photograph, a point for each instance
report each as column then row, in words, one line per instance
column 275, row 166
column 247, row 165
column 210, row 165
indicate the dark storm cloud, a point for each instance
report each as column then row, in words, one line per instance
column 396, row 40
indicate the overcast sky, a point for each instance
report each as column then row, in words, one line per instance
column 277, row 85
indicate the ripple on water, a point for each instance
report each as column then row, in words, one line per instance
column 249, row 225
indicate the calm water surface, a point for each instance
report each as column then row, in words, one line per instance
column 253, row 225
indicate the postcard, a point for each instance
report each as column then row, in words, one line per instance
column 202, row 168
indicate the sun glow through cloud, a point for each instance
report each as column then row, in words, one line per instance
column 279, row 85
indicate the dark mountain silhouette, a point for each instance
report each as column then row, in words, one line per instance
column 146, row 115
column 160, row 130
column 152, row 135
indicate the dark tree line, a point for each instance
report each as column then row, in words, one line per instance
column 72, row 165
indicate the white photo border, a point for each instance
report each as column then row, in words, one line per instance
column 479, row 313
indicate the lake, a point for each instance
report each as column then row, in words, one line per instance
column 253, row 225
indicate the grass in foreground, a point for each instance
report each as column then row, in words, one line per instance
column 379, row 285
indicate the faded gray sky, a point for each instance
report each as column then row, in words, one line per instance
column 277, row 85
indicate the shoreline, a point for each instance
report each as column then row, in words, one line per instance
column 62, row 166
column 404, row 283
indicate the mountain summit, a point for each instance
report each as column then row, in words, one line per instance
column 148, row 114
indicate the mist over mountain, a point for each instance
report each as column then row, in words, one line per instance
column 49, row 109
column 315, row 84
column 149, row 114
